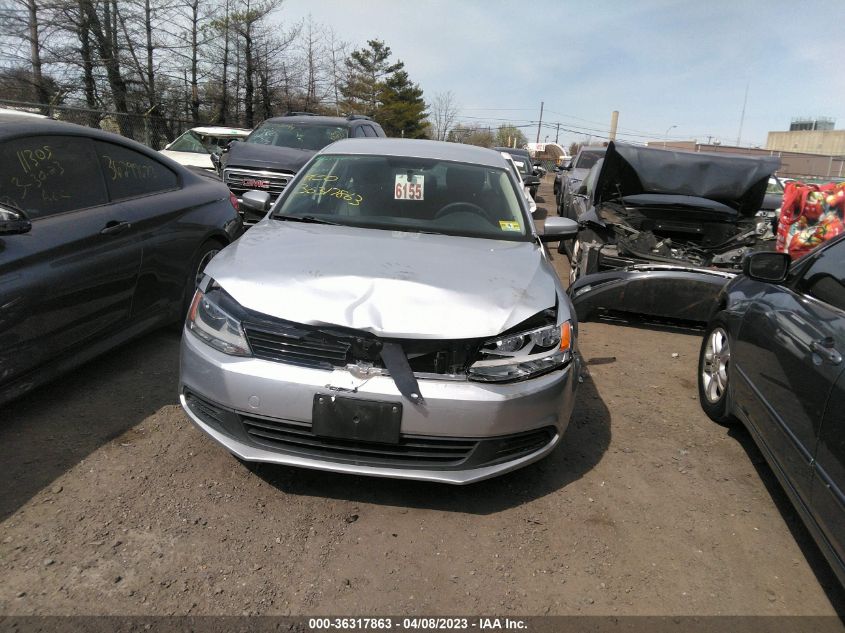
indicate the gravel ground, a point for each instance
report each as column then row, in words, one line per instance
column 113, row 503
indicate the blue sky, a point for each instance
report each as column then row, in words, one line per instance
column 660, row 63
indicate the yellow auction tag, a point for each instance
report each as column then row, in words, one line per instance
column 509, row 225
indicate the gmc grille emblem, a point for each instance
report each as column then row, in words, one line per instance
column 260, row 184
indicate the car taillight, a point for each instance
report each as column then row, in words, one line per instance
column 234, row 200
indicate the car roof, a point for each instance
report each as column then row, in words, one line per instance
column 16, row 114
column 221, row 131
column 318, row 120
column 16, row 122
column 512, row 150
column 417, row 148
column 593, row 148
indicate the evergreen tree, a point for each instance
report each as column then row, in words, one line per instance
column 402, row 111
column 368, row 68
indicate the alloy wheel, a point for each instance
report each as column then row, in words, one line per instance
column 714, row 365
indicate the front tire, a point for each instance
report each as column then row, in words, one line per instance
column 714, row 372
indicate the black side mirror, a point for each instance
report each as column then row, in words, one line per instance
column 13, row 222
column 767, row 266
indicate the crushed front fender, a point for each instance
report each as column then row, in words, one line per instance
column 664, row 291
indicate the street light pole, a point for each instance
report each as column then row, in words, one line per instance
column 666, row 136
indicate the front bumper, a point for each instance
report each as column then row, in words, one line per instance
column 261, row 411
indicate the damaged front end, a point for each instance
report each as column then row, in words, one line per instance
column 666, row 231
column 664, row 272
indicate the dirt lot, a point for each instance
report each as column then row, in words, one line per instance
column 112, row 502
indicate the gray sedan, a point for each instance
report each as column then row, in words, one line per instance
column 394, row 314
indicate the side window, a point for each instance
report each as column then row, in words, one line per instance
column 369, row 131
column 825, row 279
column 359, row 132
column 130, row 174
column 47, row 175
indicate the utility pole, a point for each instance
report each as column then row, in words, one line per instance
column 742, row 116
column 540, row 124
column 557, row 133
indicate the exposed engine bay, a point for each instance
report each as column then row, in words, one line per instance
column 702, row 238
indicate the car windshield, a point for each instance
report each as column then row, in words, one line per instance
column 299, row 136
column 407, row 194
column 588, row 159
column 191, row 142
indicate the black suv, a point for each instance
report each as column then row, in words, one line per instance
column 278, row 148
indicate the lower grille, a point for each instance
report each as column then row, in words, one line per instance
column 516, row 446
column 412, row 451
column 204, row 409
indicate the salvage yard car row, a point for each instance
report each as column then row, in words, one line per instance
column 392, row 310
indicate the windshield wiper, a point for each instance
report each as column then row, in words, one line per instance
column 307, row 219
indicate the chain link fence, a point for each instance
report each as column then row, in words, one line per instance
column 149, row 128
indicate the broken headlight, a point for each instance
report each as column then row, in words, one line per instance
column 214, row 325
column 523, row 355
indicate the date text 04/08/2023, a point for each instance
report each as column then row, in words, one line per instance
column 417, row 623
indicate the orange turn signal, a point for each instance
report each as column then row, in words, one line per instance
column 192, row 313
column 565, row 335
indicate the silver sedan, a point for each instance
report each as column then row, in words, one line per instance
column 394, row 314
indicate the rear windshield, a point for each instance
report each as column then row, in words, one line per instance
column 588, row 159
column 408, row 194
column 298, row 136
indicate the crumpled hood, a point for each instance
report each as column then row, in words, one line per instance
column 257, row 156
column 389, row 283
column 734, row 180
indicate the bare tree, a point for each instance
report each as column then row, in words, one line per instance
column 22, row 26
column 337, row 51
column 103, row 31
column 443, row 113
column 250, row 23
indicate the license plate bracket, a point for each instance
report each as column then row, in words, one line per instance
column 356, row 420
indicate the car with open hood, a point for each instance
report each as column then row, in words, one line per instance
column 667, row 229
column 394, row 314
column 278, row 148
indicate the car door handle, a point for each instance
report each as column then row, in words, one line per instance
column 114, row 227
column 824, row 348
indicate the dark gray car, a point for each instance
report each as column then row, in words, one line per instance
column 278, row 148
column 569, row 178
column 101, row 239
column 772, row 358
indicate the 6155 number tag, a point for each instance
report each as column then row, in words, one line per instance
column 409, row 188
